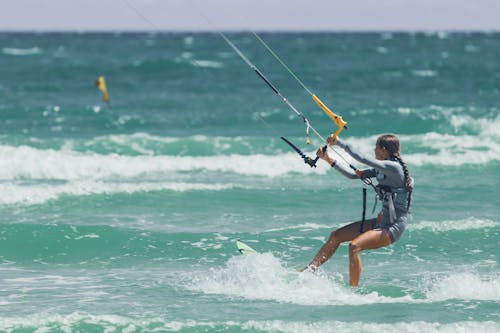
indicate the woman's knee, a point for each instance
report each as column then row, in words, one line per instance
column 354, row 248
column 334, row 237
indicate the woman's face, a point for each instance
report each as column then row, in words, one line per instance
column 380, row 153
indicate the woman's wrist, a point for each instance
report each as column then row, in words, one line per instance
column 330, row 160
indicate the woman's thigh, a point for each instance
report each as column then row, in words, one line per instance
column 351, row 231
column 372, row 239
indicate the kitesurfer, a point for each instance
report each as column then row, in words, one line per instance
column 394, row 190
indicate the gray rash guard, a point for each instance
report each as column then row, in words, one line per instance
column 389, row 175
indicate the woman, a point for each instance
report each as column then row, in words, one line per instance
column 394, row 190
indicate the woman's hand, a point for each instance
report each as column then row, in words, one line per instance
column 331, row 140
column 323, row 154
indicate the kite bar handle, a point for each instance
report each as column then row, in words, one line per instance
column 336, row 118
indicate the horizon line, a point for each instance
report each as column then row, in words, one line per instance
column 131, row 30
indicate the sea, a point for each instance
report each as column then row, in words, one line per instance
column 123, row 216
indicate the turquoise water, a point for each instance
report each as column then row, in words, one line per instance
column 124, row 218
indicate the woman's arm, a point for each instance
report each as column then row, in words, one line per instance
column 349, row 173
column 372, row 162
column 344, row 170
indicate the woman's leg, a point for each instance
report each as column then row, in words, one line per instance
column 341, row 235
column 372, row 239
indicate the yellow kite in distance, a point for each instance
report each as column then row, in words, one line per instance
column 101, row 85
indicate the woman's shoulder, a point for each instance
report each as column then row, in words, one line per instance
column 391, row 165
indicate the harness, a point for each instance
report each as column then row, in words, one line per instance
column 387, row 195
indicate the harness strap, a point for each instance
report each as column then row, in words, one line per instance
column 386, row 194
column 366, row 181
column 409, row 202
column 375, row 203
column 392, row 209
column 364, row 210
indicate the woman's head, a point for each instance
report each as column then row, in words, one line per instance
column 388, row 143
column 387, row 146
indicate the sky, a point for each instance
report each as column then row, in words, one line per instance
column 250, row 15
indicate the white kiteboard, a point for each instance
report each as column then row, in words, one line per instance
column 244, row 248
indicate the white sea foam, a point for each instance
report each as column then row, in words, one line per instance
column 32, row 175
column 447, row 149
column 50, row 280
column 207, row 63
column 89, row 172
column 110, row 323
column 466, row 286
column 471, row 140
column 30, row 163
column 263, row 277
column 23, row 170
column 450, row 225
column 36, row 194
column 423, row 73
column 24, row 162
column 124, row 139
column 21, row 52
column 302, row 227
column 487, row 127
column 361, row 327
column 455, row 150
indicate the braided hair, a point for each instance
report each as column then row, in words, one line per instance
column 391, row 144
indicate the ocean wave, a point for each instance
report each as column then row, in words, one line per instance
column 453, row 225
column 207, row 63
column 485, row 127
column 21, row 52
column 32, row 176
column 424, row 73
column 151, row 145
column 464, row 286
column 441, row 149
column 134, row 155
column 130, row 163
column 264, row 277
column 301, row 227
column 361, row 327
column 40, row 193
column 451, row 119
column 30, row 163
column 79, row 321
column 35, row 175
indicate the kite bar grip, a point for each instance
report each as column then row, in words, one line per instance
column 336, row 118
